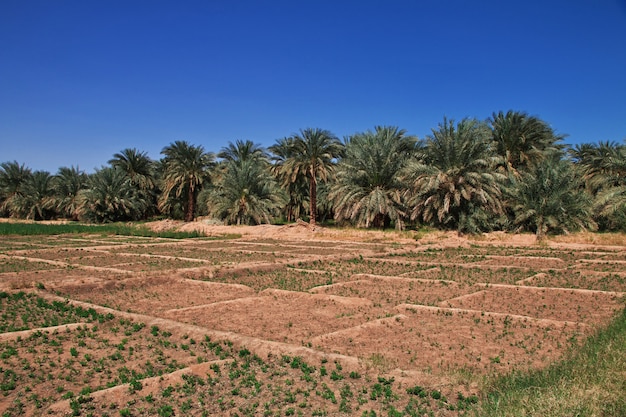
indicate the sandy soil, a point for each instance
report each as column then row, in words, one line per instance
column 380, row 302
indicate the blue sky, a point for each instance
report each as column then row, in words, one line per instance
column 81, row 80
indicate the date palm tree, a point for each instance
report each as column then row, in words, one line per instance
column 296, row 189
column 36, row 202
column 603, row 167
column 522, row 140
column 110, row 197
column 137, row 166
column 66, row 185
column 368, row 189
column 13, row 180
column 243, row 150
column 549, row 199
column 245, row 193
column 312, row 153
column 455, row 184
column 185, row 168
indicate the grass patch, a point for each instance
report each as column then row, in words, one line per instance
column 28, row 229
column 589, row 382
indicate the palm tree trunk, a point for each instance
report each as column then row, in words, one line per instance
column 313, row 202
column 541, row 233
column 191, row 205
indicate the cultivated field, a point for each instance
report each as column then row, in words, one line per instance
column 309, row 324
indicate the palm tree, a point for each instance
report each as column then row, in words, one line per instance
column 242, row 151
column 137, row 166
column 36, row 202
column 603, row 168
column 185, row 169
column 369, row 189
column 548, row 199
column 66, row 185
column 13, row 180
column 297, row 191
column 522, row 140
column 455, row 183
column 311, row 153
column 110, row 197
column 245, row 193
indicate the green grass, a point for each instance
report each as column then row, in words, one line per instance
column 26, row 229
column 589, row 382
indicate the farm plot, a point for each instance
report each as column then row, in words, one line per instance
column 601, row 265
column 62, row 254
column 613, row 256
column 49, row 366
column 391, row 291
column 276, row 276
column 470, row 275
column 18, row 243
column 591, row 280
column 211, row 256
column 249, row 385
column 53, row 277
column 590, row 307
column 18, row 265
column 282, row 316
column 436, row 341
column 524, row 257
column 531, row 262
column 302, row 276
column 345, row 268
column 153, row 264
column 154, row 295
column 182, row 248
column 24, row 311
column 425, row 317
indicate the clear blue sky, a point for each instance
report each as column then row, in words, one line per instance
column 81, row 80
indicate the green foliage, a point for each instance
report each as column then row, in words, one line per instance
column 296, row 188
column 185, row 168
column 522, row 140
column 455, row 183
column 368, row 189
column 548, row 199
column 111, row 197
column 310, row 154
column 66, row 185
column 245, row 193
column 589, row 382
column 603, row 168
column 13, row 182
column 137, row 166
column 27, row 229
column 35, row 202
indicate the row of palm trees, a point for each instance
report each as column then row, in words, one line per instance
column 509, row 172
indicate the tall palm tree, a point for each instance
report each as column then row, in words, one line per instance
column 312, row 153
column 36, row 202
column 522, row 140
column 137, row 166
column 245, row 193
column 296, row 189
column 185, row 169
column 454, row 183
column 110, row 197
column 13, row 180
column 368, row 189
column 548, row 199
column 66, row 185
